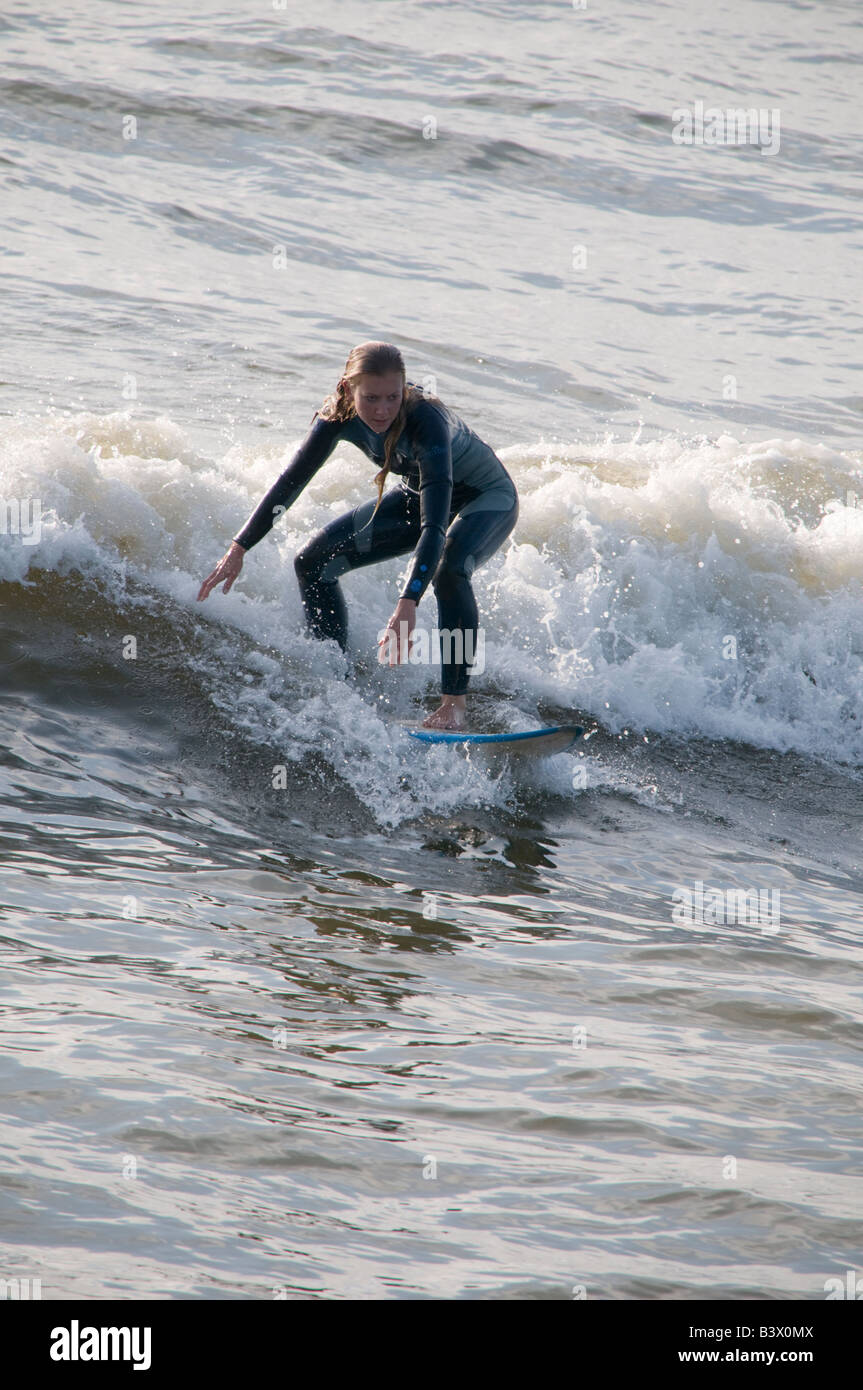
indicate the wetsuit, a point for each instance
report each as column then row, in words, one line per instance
column 446, row 472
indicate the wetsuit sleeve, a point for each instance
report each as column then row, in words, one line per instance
column 314, row 450
column 433, row 450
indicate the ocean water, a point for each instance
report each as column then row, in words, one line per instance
column 291, row 1007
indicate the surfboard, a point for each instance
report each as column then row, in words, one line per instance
column 538, row 742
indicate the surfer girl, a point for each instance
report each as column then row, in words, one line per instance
column 454, row 506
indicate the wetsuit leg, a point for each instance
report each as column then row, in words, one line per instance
column 348, row 543
column 470, row 540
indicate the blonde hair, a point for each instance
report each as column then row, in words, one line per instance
column 374, row 359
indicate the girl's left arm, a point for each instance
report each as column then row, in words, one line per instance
column 433, row 446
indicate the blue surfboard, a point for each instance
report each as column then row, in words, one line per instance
column 554, row 739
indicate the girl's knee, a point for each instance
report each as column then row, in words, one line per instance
column 304, row 563
column 311, row 562
column 453, row 573
column 312, row 567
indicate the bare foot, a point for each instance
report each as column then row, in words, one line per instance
column 449, row 715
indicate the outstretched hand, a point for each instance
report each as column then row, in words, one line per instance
column 227, row 569
column 394, row 645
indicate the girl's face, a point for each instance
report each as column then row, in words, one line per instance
column 377, row 399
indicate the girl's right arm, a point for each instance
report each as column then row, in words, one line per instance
column 314, row 451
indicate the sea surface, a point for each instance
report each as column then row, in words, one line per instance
column 290, row 1006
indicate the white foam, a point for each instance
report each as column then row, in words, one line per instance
column 632, row 567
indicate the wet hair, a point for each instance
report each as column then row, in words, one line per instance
column 374, row 359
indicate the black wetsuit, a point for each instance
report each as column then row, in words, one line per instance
column 448, row 475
